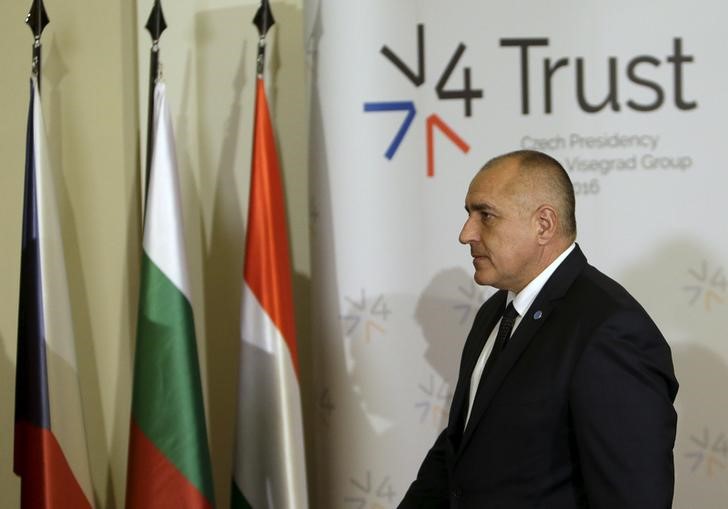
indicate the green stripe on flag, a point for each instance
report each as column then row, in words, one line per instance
column 167, row 399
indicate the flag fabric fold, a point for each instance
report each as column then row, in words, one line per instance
column 50, row 452
column 270, row 469
column 169, row 459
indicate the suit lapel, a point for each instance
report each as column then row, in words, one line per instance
column 545, row 302
column 484, row 322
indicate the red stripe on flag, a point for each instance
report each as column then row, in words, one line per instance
column 153, row 481
column 267, row 263
column 47, row 480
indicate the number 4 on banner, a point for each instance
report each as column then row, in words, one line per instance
column 435, row 121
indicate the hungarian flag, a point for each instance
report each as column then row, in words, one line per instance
column 169, row 460
column 50, row 454
column 270, row 470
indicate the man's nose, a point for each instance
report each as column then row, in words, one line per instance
column 467, row 234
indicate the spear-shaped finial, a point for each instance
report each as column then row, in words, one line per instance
column 37, row 19
column 263, row 20
column 156, row 23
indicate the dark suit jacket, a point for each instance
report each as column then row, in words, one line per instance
column 576, row 413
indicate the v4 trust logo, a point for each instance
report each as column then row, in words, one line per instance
column 444, row 91
column 544, row 81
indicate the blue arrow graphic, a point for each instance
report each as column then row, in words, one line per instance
column 407, row 106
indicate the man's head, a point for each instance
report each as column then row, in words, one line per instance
column 520, row 218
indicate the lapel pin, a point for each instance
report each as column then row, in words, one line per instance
column 537, row 315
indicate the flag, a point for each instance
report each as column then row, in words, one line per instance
column 50, row 453
column 169, row 459
column 270, row 470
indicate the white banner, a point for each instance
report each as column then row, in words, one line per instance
column 408, row 100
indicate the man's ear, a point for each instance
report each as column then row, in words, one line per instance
column 547, row 222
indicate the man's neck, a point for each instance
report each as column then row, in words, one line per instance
column 548, row 255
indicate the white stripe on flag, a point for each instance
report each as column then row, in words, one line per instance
column 163, row 234
column 64, row 395
column 270, row 458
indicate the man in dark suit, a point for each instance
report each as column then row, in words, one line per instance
column 566, row 387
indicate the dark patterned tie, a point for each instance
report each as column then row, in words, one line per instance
column 504, row 332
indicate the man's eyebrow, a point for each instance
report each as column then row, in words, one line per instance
column 480, row 207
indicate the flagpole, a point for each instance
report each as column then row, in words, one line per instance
column 37, row 19
column 263, row 20
column 155, row 26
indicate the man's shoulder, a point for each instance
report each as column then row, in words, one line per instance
column 596, row 293
column 597, row 285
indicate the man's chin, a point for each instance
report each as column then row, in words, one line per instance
column 482, row 279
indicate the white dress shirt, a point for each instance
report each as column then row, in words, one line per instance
column 521, row 302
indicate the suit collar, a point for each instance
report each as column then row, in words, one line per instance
column 523, row 300
column 538, row 313
column 563, row 276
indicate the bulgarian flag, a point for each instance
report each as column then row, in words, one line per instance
column 50, row 453
column 169, row 460
column 270, row 470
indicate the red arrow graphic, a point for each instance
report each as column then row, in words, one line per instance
column 435, row 121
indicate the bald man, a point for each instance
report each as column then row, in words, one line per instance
column 566, row 387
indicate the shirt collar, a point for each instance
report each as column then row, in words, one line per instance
column 523, row 299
